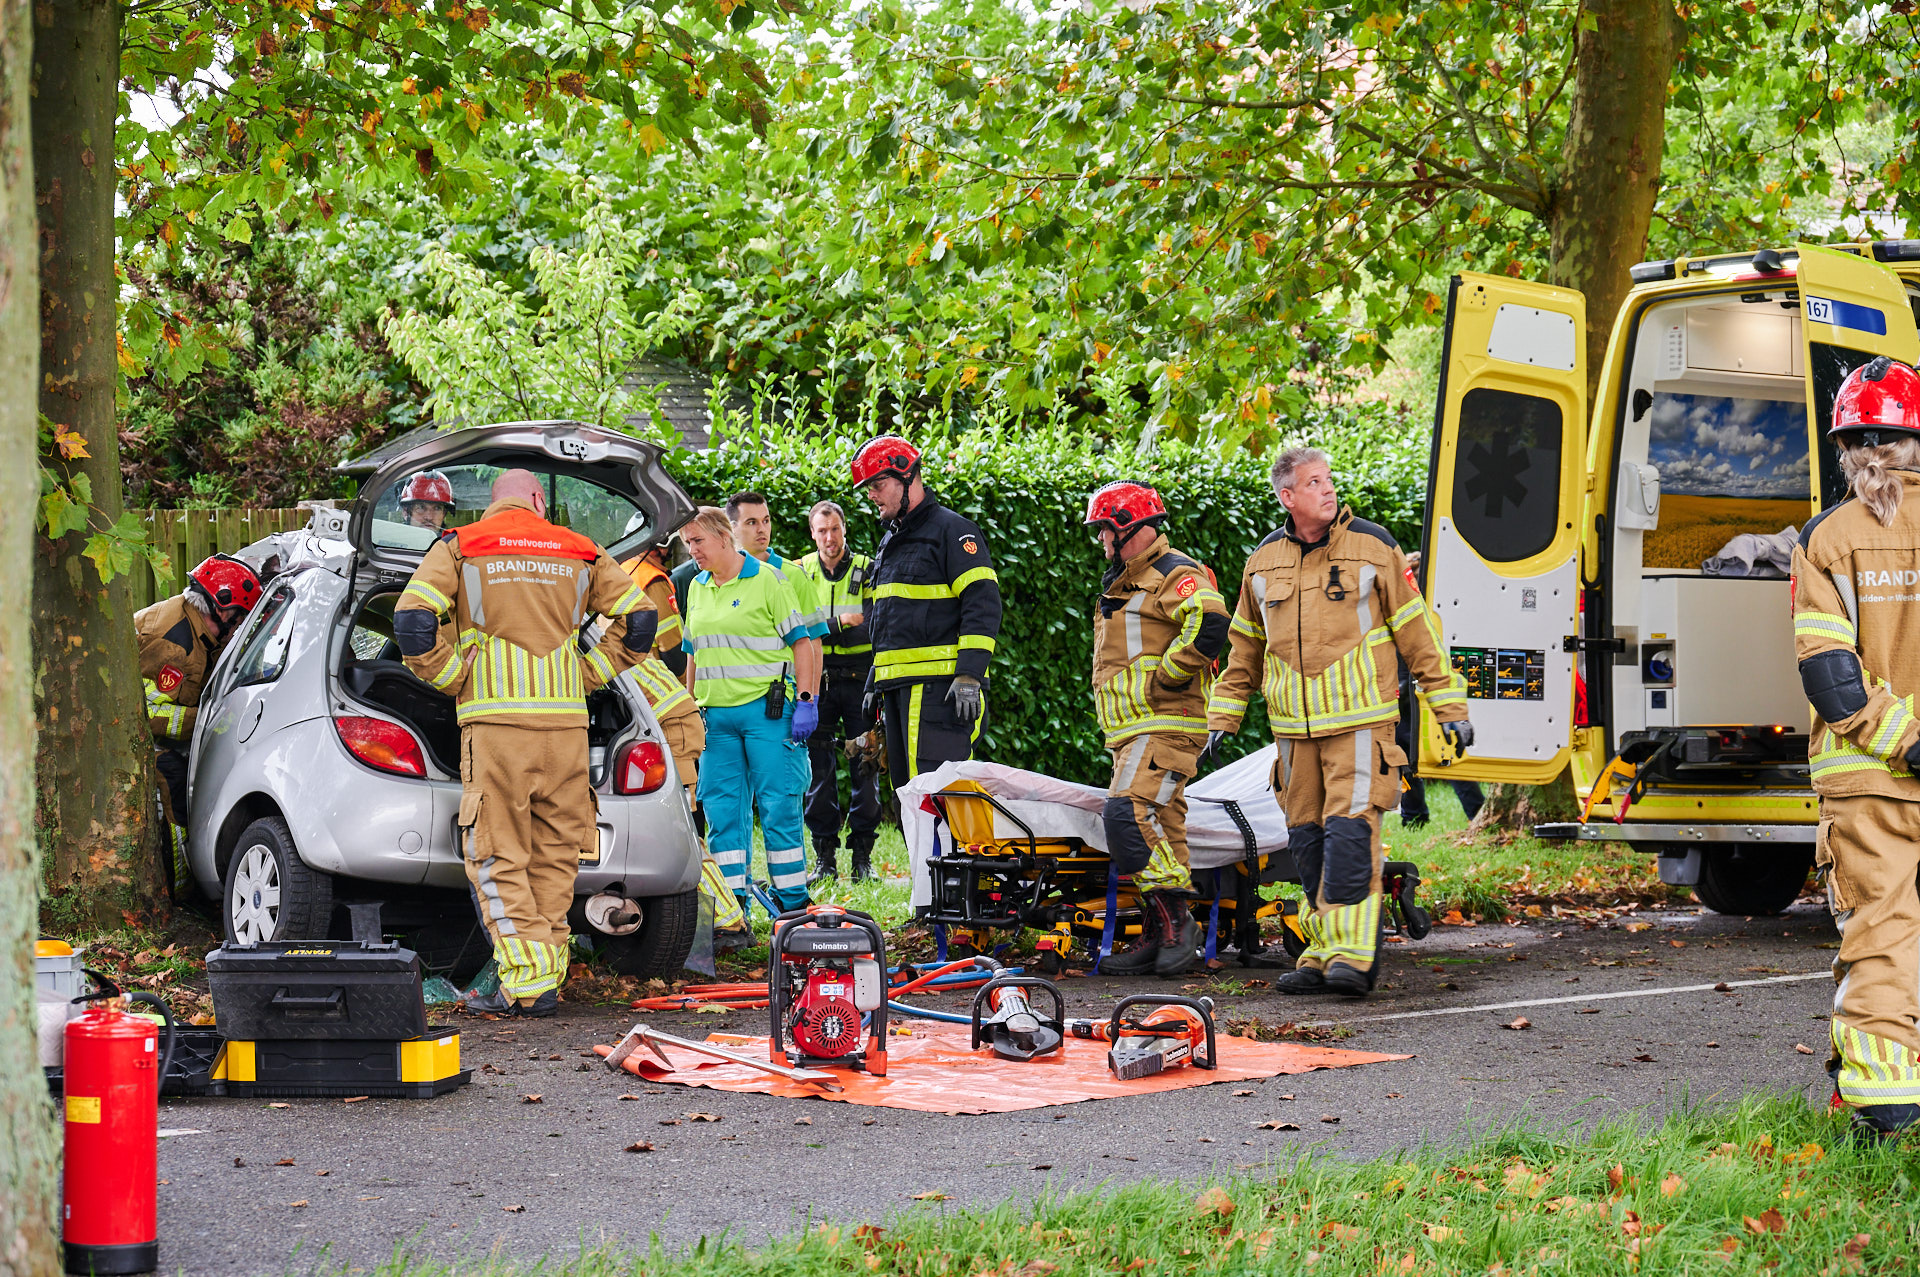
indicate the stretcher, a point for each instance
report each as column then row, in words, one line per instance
column 998, row 849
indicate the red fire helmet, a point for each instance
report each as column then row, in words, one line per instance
column 1881, row 396
column 428, row 485
column 1124, row 505
column 225, row 581
column 887, row 455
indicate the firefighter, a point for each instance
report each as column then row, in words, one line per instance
column 1854, row 616
column 1158, row 628
column 1324, row 605
column 756, row 677
column 426, row 500
column 934, row 617
column 179, row 639
column 839, row 580
column 490, row 618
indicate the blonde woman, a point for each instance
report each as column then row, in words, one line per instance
column 1856, row 602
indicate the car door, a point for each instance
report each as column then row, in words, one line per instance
column 1852, row 310
column 1501, row 541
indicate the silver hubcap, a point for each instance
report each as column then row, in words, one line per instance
column 255, row 899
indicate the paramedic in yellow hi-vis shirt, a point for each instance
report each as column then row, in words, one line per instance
column 491, row 618
column 1324, row 606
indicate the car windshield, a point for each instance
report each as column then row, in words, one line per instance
column 610, row 519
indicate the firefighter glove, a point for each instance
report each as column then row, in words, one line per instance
column 1913, row 758
column 1459, row 735
column 1213, row 745
column 806, row 717
column 869, row 699
column 968, row 697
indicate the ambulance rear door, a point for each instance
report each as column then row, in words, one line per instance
column 1851, row 311
column 1501, row 544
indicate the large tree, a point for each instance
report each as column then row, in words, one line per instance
column 29, row 1192
column 261, row 113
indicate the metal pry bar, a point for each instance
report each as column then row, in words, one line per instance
column 652, row 1039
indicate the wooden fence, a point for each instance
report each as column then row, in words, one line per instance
column 188, row 536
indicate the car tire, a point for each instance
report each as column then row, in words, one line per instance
column 660, row 948
column 1752, row 880
column 270, row 893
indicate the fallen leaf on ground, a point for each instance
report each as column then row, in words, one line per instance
column 1214, row 1201
column 514, row 1210
column 869, row 1235
column 1723, row 987
column 1440, row 1232
column 1729, row 1244
column 1588, row 1011
column 1678, row 944
column 353, row 1099
column 1277, row 1126
column 865, row 1121
column 703, row 1117
column 323, row 1172
column 1803, row 1048
column 1393, row 1095
column 629, row 1097
column 1713, row 1044
column 285, row 1161
column 1242, row 1094
column 1616, row 1175
column 1043, row 1166
column 1329, row 1118
column 553, row 1057
column 1645, row 1058
column 669, row 1121
column 301, row 1202
column 1770, row 1221
column 1453, row 918
column 532, row 1099
column 932, row 1197
column 279, row 1106
column 640, row 1146
column 1639, row 926
column 1340, row 1232
column 239, row 1162
column 1283, row 1097
column 1806, row 1153
column 1853, row 1248
column 1672, row 1184
column 1521, row 1022
column 711, row 1008
column 803, row 1121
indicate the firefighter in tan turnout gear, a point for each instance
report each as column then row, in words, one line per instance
column 1324, row 605
column 1856, row 609
column 1158, row 628
column 492, row 618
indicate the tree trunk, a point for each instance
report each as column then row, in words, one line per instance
column 29, row 1192
column 95, row 756
column 1521, row 807
column 1610, row 166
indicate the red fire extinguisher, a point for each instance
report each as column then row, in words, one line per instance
column 112, row 1072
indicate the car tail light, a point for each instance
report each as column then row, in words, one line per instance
column 641, row 769
column 380, row 744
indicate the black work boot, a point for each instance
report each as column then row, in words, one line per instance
column 1349, row 981
column 1879, row 1123
column 1141, row 956
column 1180, row 947
column 1302, row 980
column 863, row 864
column 826, row 862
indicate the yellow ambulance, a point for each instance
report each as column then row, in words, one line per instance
column 1615, row 593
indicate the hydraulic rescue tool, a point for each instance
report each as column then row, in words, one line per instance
column 1004, row 1017
column 827, row 989
column 1172, row 1036
column 640, row 1035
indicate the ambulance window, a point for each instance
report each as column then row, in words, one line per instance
column 1506, row 473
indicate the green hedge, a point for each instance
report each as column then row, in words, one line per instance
column 1028, row 493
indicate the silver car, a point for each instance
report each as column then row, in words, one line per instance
column 325, row 778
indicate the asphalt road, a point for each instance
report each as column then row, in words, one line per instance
column 1612, row 1030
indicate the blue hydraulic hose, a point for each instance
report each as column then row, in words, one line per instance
column 945, row 1017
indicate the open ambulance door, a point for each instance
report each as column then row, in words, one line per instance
column 1851, row 310
column 1501, row 545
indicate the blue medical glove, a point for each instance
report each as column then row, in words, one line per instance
column 806, row 717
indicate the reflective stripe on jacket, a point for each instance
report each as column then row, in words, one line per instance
column 663, row 691
column 936, row 599
column 741, row 633
column 1158, row 627
column 1856, row 589
column 843, row 596
column 177, row 649
column 510, row 592
column 1316, row 628
column 806, row 592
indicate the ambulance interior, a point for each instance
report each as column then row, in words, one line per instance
column 1712, row 456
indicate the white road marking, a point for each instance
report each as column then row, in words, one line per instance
column 1590, row 997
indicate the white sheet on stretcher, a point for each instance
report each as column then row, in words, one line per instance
column 1055, row 808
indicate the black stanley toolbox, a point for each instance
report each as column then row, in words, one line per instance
column 317, row 990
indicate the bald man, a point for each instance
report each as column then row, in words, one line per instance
column 491, row 619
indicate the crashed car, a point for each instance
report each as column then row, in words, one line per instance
column 324, row 778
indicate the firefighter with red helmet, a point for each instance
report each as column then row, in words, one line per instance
column 1157, row 630
column 178, row 640
column 1855, row 610
column 426, row 500
column 934, row 619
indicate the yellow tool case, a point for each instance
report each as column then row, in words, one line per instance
column 411, row 1068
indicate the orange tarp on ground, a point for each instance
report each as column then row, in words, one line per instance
column 935, row 1071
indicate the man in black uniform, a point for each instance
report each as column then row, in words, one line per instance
column 840, row 586
column 934, row 617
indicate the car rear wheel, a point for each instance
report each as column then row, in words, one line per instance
column 271, row 894
column 659, row 949
column 1752, row 880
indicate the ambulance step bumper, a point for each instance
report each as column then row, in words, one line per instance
column 1646, row 831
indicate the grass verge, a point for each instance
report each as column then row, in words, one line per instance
column 1766, row 1187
